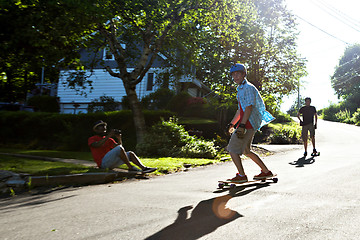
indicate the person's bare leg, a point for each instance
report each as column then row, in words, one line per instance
column 258, row 161
column 136, row 160
column 124, row 157
column 305, row 143
column 313, row 141
column 237, row 161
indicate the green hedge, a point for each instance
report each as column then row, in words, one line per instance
column 67, row 131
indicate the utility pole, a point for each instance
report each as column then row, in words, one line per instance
column 298, row 105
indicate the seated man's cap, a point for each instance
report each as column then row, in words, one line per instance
column 98, row 123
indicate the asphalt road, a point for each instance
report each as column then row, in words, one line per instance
column 314, row 199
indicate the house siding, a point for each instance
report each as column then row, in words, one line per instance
column 103, row 85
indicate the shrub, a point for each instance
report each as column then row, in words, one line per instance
column 44, row 103
column 285, row 134
column 178, row 103
column 282, row 118
column 344, row 116
column 168, row 139
column 356, row 117
column 329, row 113
column 67, row 131
column 158, row 99
column 103, row 104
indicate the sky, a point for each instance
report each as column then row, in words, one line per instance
column 321, row 50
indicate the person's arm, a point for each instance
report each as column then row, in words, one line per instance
column 102, row 141
column 118, row 137
column 236, row 118
column 298, row 116
column 316, row 119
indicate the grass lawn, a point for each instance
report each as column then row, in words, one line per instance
column 51, row 153
column 41, row 167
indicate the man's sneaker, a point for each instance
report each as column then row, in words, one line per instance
column 134, row 169
column 238, row 179
column 263, row 175
column 305, row 154
column 149, row 170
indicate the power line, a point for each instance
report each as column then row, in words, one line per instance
column 322, row 30
column 340, row 14
column 326, row 8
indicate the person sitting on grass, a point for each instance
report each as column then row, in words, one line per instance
column 109, row 154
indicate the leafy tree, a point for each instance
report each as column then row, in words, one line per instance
column 165, row 26
column 36, row 34
column 346, row 78
column 266, row 43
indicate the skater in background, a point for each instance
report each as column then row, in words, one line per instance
column 308, row 113
column 251, row 116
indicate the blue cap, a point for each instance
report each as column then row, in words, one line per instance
column 237, row 67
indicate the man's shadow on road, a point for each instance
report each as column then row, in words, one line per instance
column 206, row 217
column 301, row 162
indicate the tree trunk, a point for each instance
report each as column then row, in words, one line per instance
column 138, row 116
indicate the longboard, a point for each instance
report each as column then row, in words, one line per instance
column 232, row 184
column 315, row 154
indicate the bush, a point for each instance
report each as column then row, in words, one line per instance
column 344, row 116
column 178, row 103
column 168, row 139
column 67, row 131
column 356, row 117
column 329, row 113
column 282, row 118
column 103, row 104
column 158, row 99
column 44, row 103
column 285, row 134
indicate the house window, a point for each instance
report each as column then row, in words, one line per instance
column 150, row 82
column 107, row 55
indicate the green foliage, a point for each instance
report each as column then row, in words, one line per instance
column 282, row 118
column 330, row 112
column 178, row 103
column 67, row 131
column 103, row 104
column 44, row 103
column 346, row 78
column 343, row 116
column 158, row 99
column 356, row 117
column 170, row 139
column 41, row 167
column 285, row 133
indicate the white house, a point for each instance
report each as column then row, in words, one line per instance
column 103, row 84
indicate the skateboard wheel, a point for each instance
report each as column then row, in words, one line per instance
column 221, row 185
column 232, row 186
column 275, row 180
column 263, row 180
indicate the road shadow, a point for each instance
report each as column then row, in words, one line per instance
column 33, row 198
column 206, row 217
column 301, row 162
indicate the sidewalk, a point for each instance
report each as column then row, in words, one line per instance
column 20, row 181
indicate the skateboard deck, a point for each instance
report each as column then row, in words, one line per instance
column 232, row 184
column 315, row 154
